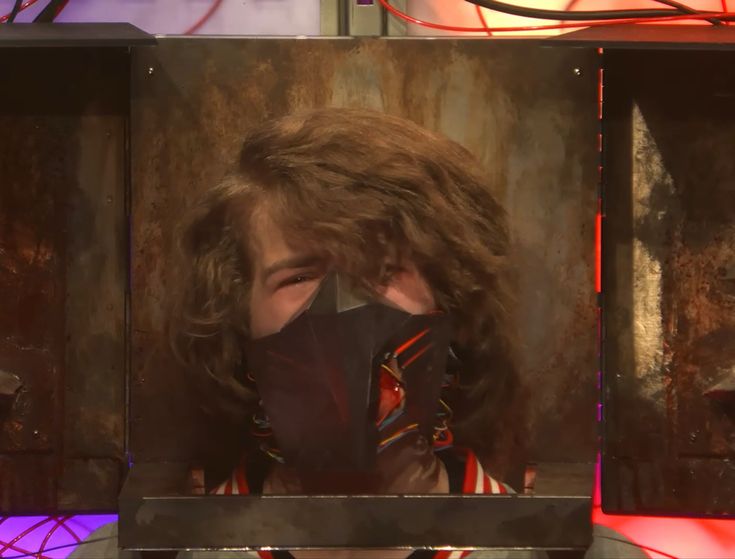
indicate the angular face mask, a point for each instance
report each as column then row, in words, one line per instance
column 347, row 377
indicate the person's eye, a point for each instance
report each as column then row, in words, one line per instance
column 296, row 279
column 389, row 272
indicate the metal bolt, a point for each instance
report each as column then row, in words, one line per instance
column 36, row 433
column 150, row 70
column 109, row 199
column 578, row 71
column 693, row 436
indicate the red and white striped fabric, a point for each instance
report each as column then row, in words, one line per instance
column 476, row 481
column 236, row 484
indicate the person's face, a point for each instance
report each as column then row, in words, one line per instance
column 285, row 277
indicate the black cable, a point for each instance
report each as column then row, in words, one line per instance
column 562, row 15
column 684, row 9
column 49, row 13
column 15, row 11
column 83, row 542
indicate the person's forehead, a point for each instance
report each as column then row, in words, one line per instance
column 270, row 243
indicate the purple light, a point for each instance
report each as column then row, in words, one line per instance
column 38, row 535
column 365, row 2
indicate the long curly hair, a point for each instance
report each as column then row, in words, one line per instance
column 359, row 185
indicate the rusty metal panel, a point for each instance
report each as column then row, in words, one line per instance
column 90, row 484
column 31, row 321
column 96, row 283
column 62, row 271
column 528, row 113
column 29, row 483
column 668, row 281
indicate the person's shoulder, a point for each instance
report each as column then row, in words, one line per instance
column 471, row 477
column 102, row 544
column 507, row 554
column 608, row 543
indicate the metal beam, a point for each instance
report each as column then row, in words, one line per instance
column 156, row 514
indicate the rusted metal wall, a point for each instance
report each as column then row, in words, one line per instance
column 529, row 113
column 669, row 258
column 63, row 116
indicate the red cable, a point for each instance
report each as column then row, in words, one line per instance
column 60, row 8
column 28, row 4
column 205, row 18
column 11, row 543
column 72, row 533
column 59, row 522
column 480, row 15
column 594, row 23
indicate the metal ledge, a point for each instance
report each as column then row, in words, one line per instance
column 165, row 518
column 657, row 37
column 18, row 35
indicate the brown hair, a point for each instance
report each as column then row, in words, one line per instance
column 358, row 184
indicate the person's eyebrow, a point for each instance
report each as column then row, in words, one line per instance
column 298, row 261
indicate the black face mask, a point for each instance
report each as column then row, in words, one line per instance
column 319, row 378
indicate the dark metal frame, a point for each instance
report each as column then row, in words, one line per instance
column 156, row 513
column 68, row 35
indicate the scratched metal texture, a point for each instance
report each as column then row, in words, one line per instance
column 669, row 281
column 529, row 113
column 63, row 116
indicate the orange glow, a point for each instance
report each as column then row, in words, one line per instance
column 453, row 17
column 663, row 537
column 598, row 252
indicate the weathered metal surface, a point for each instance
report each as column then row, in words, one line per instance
column 62, row 259
column 680, row 486
column 32, row 303
column 28, row 483
column 669, row 297
column 564, row 478
column 90, row 484
column 528, row 113
column 169, row 519
column 96, row 276
column 96, row 272
column 10, row 384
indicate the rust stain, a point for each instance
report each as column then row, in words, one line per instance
column 673, row 203
column 539, row 152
